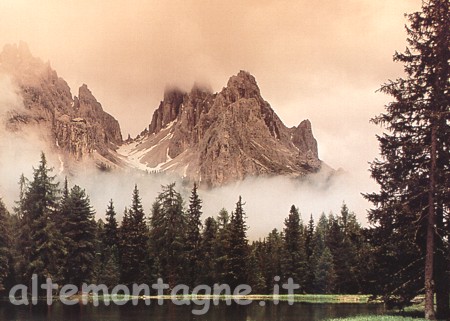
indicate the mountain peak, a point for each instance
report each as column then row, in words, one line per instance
column 78, row 126
column 18, row 51
column 245, row 76
column 85, row 95
column 242, row 85
column 219, row 138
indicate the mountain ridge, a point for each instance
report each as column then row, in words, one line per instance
column 211, row 138
column 76, row 126
column 218, row 138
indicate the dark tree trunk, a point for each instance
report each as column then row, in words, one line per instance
column 441, row 277
column 430, row 241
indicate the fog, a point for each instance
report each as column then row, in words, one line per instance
column 267, row 200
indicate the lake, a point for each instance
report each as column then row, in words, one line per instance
column 172, row 312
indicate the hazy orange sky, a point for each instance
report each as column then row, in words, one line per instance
column 321, row 60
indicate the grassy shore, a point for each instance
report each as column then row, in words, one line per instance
column 305, row 298
column 378, row 318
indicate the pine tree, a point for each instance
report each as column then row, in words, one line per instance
column 23, row 185
column 324, row 274
column 111, row 237
column 62, row 216
column 167, row 234
column 414, row 170
column 351, row 244
column 109, row 270
column 208, row 253
column 222, row 245
column 294, row 262
column 124, row 245
column 255, row 268
column 193, row 237
column 80, row 233
column 322, row 261
column 99, row 251
column 309, row 236
column 274, row 247
column 5, row 254
column 40, row 242
column 238, row 250
column 135, row 255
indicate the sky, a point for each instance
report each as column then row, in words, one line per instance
column 321, row 60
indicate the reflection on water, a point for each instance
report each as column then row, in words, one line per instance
column 171, row 312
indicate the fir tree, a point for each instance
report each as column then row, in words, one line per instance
column 81, row 233
column 295, row 264
column 222, row 245
column 208, row 253
column 348, row 272
column 109, row 271
column 322, row 261
column 40, row 242
column 168, row 226
column 125, row 258
column 274, row 247
column 238, row 250
column 135, row 252
column 193, row 237
column 255, row 267
column 324, row 274
column 414, row 170
column 111, row 238
column 5, row 255
column 309, row 235
column 99, row 251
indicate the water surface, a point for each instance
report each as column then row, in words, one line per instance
column 172, row 312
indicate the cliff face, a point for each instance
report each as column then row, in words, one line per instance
column 212, row 138
column 223, row 137
column 77, row 126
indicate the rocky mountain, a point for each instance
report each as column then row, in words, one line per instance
column 217, row 138
column 77, row 127
column 212, row 138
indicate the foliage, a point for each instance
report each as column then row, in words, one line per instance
column 176, row 246
column 193, row 237
column 4, row 246
column 167, row 235
column 134, row 243
column 80, row 231
column 414, row 171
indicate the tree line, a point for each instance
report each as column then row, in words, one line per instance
column 53, row 233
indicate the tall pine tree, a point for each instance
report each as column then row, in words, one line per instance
column 168, row 226
column 208, row 253
column 294, row 262
column 273, row 252
column 414, row 170
column 322, row 260
column 237, row 247
column 135, row 256
column 5, row 255
column 40, row 242
column 193, row 237
column 80, row 235
column 110, row 236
